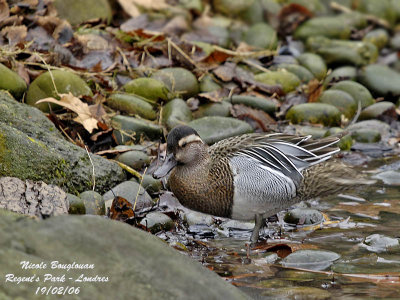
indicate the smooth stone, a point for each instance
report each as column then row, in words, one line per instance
column 382, row 9
column 264, row 104
column 314, row 63
column 76, row 205
column 65, row 81
column 94, row 203
column 366, row 135
column 129, row 190
column 315, row 113
column 116, row 250
column 301, row 72
column 359, row 92
column 380, row 79
column 395, row 41
column 208, row 84
column 314, row 6
column 253, row 14
column 303, row 216
column 151, row 185
column 310, row 259
column 355, row 53
column 390, row 177
column 134, row 127
column 12, row 82
column 378, row 37
column 213, row 129
column 148, row 88
column 222, row 109
column 380, row 243
column 378, row 111
column 231, row 7
column 195, row 218
column 379, row 126
column 287, row 80
column 345, row 142
column 314, row 131
column 176, row 112
column 261, row 36
column 236, row 224
column 179, row 81
column 340, row 99
column 131, row 105
column 299, row 292
column 157, row 221
column 134, row 159
column 77, row 11
column 340, row 74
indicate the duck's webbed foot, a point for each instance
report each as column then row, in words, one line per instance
column 260, row 222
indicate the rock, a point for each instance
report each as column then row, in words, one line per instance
column 236, row 224
column 340, row 99
column 365, row 135
column 222, row 109
column 65, row 81
column 157, row 221
column 160, row 272
column 179, row 81
column 380, row 80
column 176, row 112
column 12, row 82
column 134, row 159
column 379, row 126
column 151, row 185
column 32, row 148
column 287, row 80
column 310, row 259
column 381, row 110
column 380, row 243
column 395, row 42
column 131, row 105
column 315, row 131
column 77, row 12
column 299, row 292
column 357, row 91
column 261, row 36
column 195, row 218
column 129, row 190
column 381, row 9
column 303, row 216
column 208, row 84
column 76, row 205
column 32, row 198
column 315, row 113
column 253, row 14
column 148, row 88
column 378, row 37
column 390, row 177
column 345, row 142
column 137, row 128
column 342, row 73
column 301, row 72
column 94, row 203
column 314, row 63
column 264, row 104
column 231, row 7
column 214, row 129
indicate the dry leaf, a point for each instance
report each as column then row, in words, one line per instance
column 132, row 7
column 4, row 10
column 73, row 103
column 15, row 34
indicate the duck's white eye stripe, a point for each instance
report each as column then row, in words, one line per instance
column 189, row 139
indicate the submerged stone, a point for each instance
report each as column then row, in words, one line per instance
column 310, row 259
column 303, row 216
column 380, row 243
column 314, row 113
column 12, row 82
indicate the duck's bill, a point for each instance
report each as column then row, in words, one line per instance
column 167, row 166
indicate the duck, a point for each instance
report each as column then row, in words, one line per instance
column 252, row 176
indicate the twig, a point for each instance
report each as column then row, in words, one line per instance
column 181, row 52
column 48, row 69
column 140, row 185
column 252, row 64
column 129, row 169
column 93, row 173
column 247, row 54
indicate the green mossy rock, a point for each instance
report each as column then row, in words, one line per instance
column 222, row 109
column 301, row 72
column 214, row 129
column 345, row 142
column 12, row 82
column 315, row 131
column 179, row 81
column 231, row 7
column 377, row 110
column 342, row 100
column 208, row 84
column 94, row 203
column 287, row 80
column 315, row 113
column 148, row 88
column 157, row 221
column 378, row 37
column 261, row 36
column 263, row 104
column 131, row 105
column 134, row 159
column 359, row 92
column 380, row 80
column 382, row 9
column 314, row 63
column 66, row 82
column 126, row 127
column 366, row 136
column 77, row 11
column 254, row 14
column 76, row 205
column 341, row 73
column 176, row 112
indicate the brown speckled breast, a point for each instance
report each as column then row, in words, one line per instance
column 207, row 188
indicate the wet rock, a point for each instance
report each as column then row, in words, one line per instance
column 287, row 80
column 65, row 81
column 378, row 37
column 261, row 36
column 148, row 88
column 134, row 159
column 381, row 110
column 76, row 205
column 12, row 82
column 379, row 126
column 157, row 221
column 340, row 99
column 129, row 190
column 366, row 135
column 303, row 216
column 390, row 177
column 132, row 105
column 208, row 84
column 314, row 63
column 299, row 292
column 342, row 73
column 357, row 91
column 315, row 113
column 381, row 80
column 76, row 11
column 176, row 112
column 263, row 104
column 195, row 218
column 222, row 109
column 231, row 7
column 137, row 128
column 343, row 52
column 236, row 224
column 310, row 259
column 94, row 203
column 160, row 272
column 213, row 129
column 179, row 81
column 380, row 243
column 301, row 72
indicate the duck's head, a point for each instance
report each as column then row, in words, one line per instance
column 184, row 147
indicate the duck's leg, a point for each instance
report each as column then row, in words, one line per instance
column 260, row 222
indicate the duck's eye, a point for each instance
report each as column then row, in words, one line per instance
column 184, row 145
